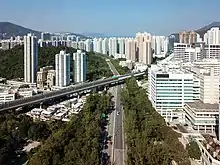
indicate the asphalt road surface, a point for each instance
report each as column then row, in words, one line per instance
column 118, row 133
column 118, row 122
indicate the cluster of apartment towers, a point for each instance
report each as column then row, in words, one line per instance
column 138, row 49
column 61, row 76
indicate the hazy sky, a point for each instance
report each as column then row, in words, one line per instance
column 112, row 17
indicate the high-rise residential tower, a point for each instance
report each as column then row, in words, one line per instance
column 88, row 45
column 144, row 48
column 212, row 36
column 130, row 49
column 62, row 69
column 30, row 58
column 95, row 41
column 105, row 46
column 121, row 42
column 45, row 36
column 79, row 66
column 99, row 45
column 159, row 45
column 112, row 46
column 187, row 37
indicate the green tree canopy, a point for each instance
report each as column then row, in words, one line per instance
column 149, row 140
column 80, row 141
column 193, row 150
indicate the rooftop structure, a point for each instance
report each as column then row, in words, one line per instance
column 61, row 111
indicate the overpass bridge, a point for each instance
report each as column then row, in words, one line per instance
column 67, row 91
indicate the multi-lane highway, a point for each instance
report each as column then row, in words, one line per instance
column 118, row 157
column 64, row 92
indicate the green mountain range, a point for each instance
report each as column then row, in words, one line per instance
column 8, row 30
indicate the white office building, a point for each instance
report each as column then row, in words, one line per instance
column 212, row 51
column 209, row 84
column 169, row 88
column 79, row 66
column 203, row 114
column 179, row 51
column 192, row 54
column 30, row 58
column 208, row 64
column 62, row 69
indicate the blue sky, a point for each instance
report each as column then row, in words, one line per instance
column 112, row 17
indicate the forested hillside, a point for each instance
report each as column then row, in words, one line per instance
column 12, row 61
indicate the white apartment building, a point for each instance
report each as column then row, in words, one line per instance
column 212, row 36
column 99, row 46
column 88, row 45
column 79, row 66
column 170, row 88
column 74, row 44
column 95, row 40
column 30, row 58
column 159, row 45
column 81, row 45
column 105, row 46
column 62, row 69
column 121, row 42
column 113, row 46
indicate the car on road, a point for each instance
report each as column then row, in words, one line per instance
column 118, row 113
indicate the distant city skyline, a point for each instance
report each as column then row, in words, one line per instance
column 111, row 17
